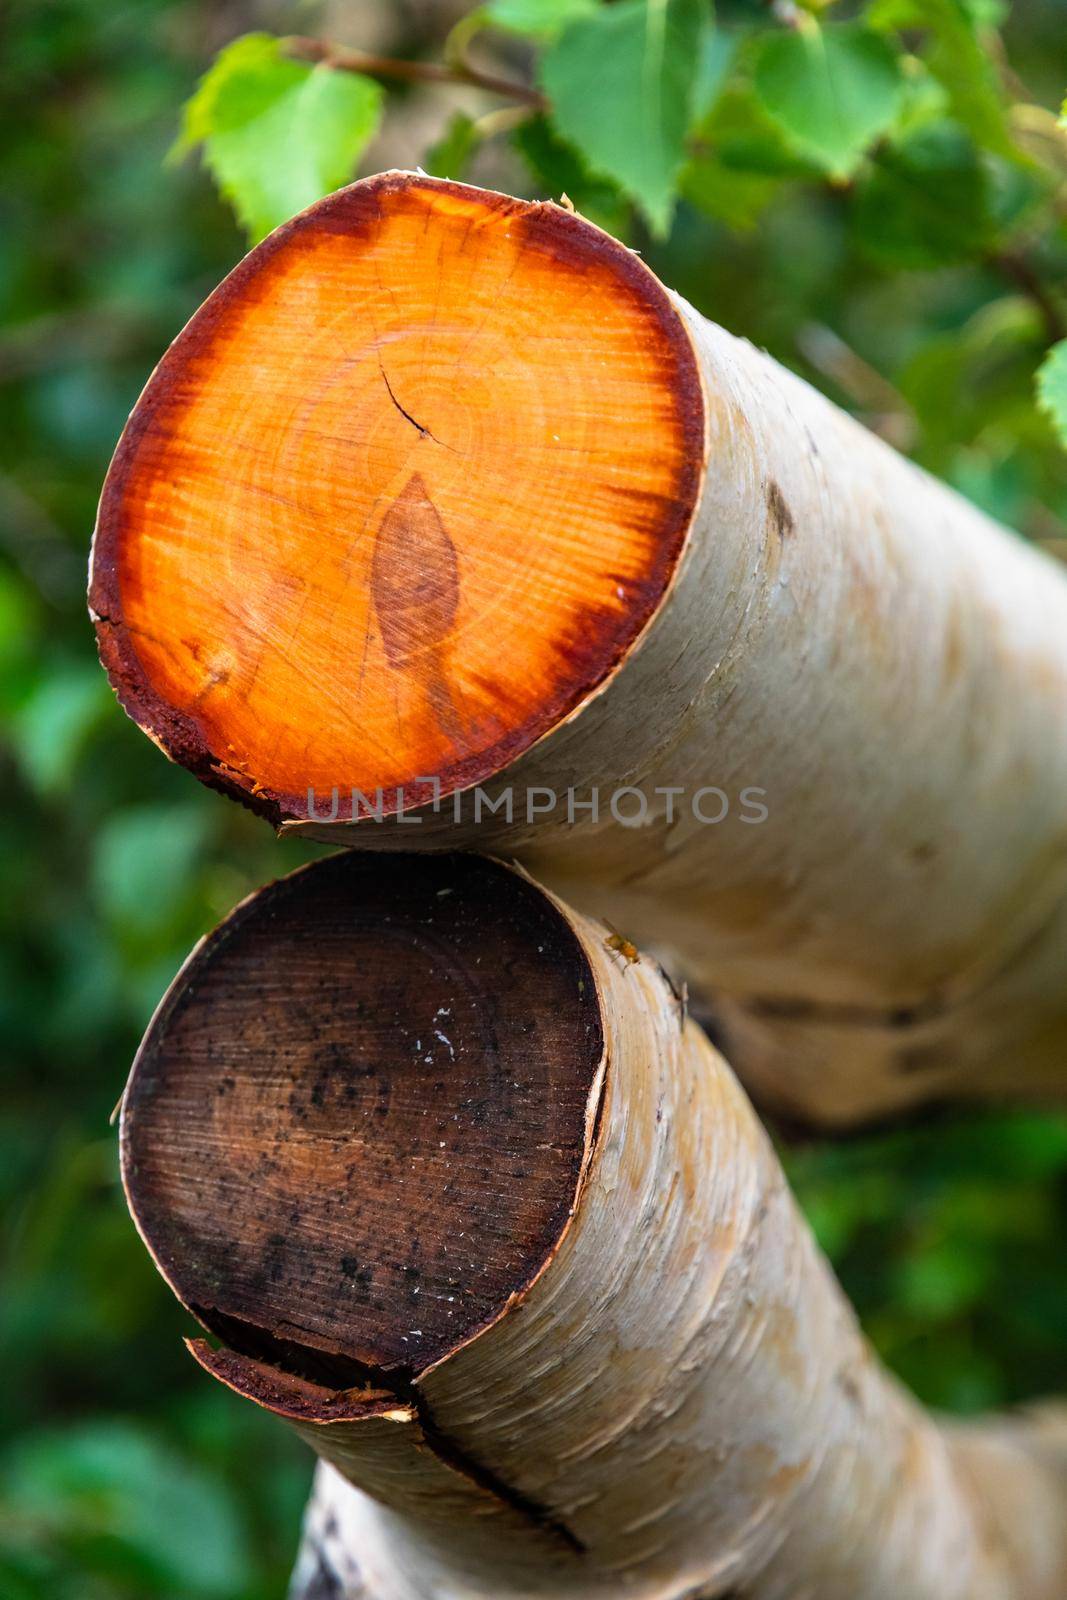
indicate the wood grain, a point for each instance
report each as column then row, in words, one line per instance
column 403, row 493
column 356, row 1126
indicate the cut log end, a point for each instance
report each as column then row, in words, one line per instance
column 402, row 495
column 358, row 1124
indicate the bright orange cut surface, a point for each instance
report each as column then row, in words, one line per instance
column 402, row 494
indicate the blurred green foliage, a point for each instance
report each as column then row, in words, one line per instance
column 276, row 133
column 873, row 193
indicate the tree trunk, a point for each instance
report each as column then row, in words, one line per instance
column 477, row 1209
column 443, row 495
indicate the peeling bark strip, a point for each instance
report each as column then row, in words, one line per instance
column 635, row 1373
column 508, row 514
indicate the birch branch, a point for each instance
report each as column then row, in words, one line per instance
column 442, row 494
column 479, row 1212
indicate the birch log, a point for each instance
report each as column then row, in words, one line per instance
column 442, row 496
column 476, row 1208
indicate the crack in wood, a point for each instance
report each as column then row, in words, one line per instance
column 340, row 1374
column 418, row 426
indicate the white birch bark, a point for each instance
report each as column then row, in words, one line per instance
column 682, row 1404
column 889, row 669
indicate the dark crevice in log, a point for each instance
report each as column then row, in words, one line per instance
column 847, row 1014
column 460, row 1460
column 418, row 426
column 288, row 1394
column 940, row 1005
column 321, row 1367
column 344, row 1380
column 324, row 1584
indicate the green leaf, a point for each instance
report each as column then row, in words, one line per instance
column 558, row 170
column 718, row 52
column 833, row 90
column 278, row 134
column 449, row 156
column 1052, row 389
column 538, row 19
column 957, row 59
column 740, row 133
column 925, row 99
column 621, row 87
column 970, row 78
column 53, row 727
column 742, row 160
column 926, row 201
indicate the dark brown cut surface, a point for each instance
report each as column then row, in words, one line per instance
column 358, row 1122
